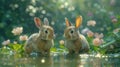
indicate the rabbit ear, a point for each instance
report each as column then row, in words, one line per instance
column 67, row 22
column 78, row 21
column 46, row 22
column 37, row 22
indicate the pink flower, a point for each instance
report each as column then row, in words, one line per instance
column 90, row 14
column 91, row 23
column 112, row 17
column 17, row 30
column 6, row 42
column 23, row 37
column 90, row 34
column 114, row 20
column 97, row 41
column 61, row 42
column 116, row 30
column 97, row 35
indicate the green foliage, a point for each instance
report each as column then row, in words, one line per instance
column 53, row 49
column 12, row 49
column 5, row 50
column 18, row 48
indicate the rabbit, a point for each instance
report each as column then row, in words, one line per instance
column 42, row 41
column 74, row 41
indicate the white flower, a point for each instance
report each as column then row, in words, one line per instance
column 85, row 30
column 17, row 30
column 23, row 37
column 6, row 42
column 61, row 42
column 91, row 23
column 15, row 42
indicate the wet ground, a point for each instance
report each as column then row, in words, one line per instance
column 61, row 60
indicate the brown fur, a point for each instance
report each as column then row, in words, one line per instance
column 75, row 42
column 42, row 41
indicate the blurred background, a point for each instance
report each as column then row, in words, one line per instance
column 20, row 13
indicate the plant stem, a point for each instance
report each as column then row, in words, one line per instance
column 109, row 43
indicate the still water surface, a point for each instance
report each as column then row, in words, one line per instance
column 61, row 60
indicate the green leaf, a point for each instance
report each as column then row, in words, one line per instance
column 53, row 49
column 62, row 46
column 16, row 47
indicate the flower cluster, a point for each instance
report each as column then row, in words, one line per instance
column 114, row 20
column 6, row 42
column 116, row 30
column 97, row 35
column 91, row 23
column 98, row 38
column 23, row 37
column 17, row 30
column 97, row 41
column 90, row 34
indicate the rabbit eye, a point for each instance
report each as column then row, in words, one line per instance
column 46, row 31
column 71, row 31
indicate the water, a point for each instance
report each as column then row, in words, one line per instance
column 61, row 60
